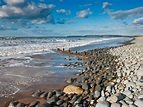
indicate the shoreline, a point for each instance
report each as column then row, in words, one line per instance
column 96, row 83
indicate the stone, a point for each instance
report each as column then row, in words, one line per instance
column 44, row 95
column 45, row 105
column 128, row 100
column 52, row 100
column 85, row 86
column 71, row 80
column 101, row 99
column 124, row 104
column 112, row 99
column 115, row 105
column 59, row 102
column 58, row 93
column 108, row 88
column 103, row 104
column 130, row 84
column 139, row 72
column 98, row 88
column 128, row 93
column 71, row 89
column 138, row 83
column 13, row 104
column 97, row 94
column 140, row 97
column 139, row 103
column 33, row 104
column 20, row 105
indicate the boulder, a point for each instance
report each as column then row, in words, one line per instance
column 71, row 89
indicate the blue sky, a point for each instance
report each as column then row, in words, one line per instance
column 70, row 17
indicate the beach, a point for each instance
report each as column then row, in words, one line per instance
column 112, row 77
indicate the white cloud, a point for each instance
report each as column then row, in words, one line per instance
column 127, row 13
column 31, row 11
column 138, row 21
column 84, row 13
column 15, row 2
column 106, row 5
column 85, row 5
column 63, row 11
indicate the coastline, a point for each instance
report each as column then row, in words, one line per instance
column 102, row 94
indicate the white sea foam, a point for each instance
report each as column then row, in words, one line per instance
column 20, row 46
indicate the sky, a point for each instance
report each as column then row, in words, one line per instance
column 22, row 18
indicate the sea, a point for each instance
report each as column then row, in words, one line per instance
column 25, row 61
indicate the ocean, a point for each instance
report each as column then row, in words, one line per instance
column 33, row 60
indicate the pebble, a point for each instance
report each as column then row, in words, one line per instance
column 139, row 103
column 97, row 94
column 112, row 99
column 103, row 104
column 115, row 105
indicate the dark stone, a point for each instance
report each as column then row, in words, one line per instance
column 44, row 95
column 52, row 100
column 45, row 105
column 33, row 104
column 85, row 86
column 13, row 104
column 60, row 102
column 58, row 93
column 98, row 88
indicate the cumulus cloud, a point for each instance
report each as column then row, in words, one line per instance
column 15, row 2
column 63, row 11
column 29, row 10
column 138, row 21
column 127, row 13
column 84, row 13
column 106, row 5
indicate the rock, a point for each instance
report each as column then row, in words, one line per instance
column 85, row 86
column 101, row 99
column 97, row 94
column 139, row 73
column 140, row 97
column 71, row 80
column 45, row 105
column 115, row 105
column 124, row 104
column 128, row 93
column 71, row 89
column 98, row 88
column 44, row 95
column 121, row 96
column 58, row 93
column 50, row 94
column 139, row 103
column 108, row 88
column 130, row 84
column 75, row 97
column 52, row 100
column 139, row 83
column 60, row 102
column 128, row 100
column 103, row 104
column 13, row 104
column 112, row 99
column 33, row 104
column 20, row 105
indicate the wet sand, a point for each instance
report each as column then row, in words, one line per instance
column 30, row 79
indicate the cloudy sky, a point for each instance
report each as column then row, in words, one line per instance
column 70, row 17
